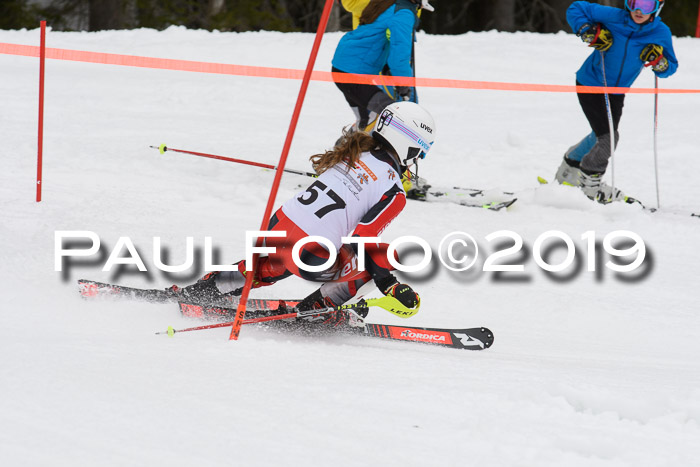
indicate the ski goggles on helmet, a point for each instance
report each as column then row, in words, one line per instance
column 407, row 143
column 647, row 7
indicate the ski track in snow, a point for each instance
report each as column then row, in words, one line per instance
column 589, row 371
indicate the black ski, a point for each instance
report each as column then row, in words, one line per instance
column 307, row 322
column 256, row 308
column 494, row 206
column 469, row 192
column 630, row 200
column 93, row 289
column 494, row 200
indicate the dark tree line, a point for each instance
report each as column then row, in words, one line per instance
column 450, row 16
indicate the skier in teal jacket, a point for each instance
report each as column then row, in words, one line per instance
column 384, row 37
column 626, row 41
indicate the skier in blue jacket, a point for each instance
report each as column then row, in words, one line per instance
column 626, row 41
column 384, row 37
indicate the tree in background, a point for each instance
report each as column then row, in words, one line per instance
column 223, row 15
column 15, row 14
column 544, row 16
column 254, row 15
column 450, row 16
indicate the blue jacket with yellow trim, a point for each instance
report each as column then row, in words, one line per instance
column 622, row 62
column 367, row 49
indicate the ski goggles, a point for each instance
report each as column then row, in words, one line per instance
column 647, row 7
column 386, row 119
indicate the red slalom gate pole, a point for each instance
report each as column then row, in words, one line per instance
column 697, row 29
column 240, row 312
column 40, row 153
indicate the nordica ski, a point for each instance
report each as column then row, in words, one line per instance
column 284, row 312
column 472, row 339
column 288, row 317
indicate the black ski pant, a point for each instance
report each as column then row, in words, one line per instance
column 366, row 100
column 595, row 109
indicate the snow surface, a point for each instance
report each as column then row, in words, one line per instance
column 592, row 370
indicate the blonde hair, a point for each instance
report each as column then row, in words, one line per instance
column 348, row 150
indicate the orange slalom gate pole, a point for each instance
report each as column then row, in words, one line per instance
column 40, row 150
column 240, row 312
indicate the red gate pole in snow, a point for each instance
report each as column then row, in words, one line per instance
column 42, row 60
column 697, row 29
column 240, row 311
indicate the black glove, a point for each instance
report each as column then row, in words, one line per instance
column 402, row 292
column 416, row 194
column 653, row 56
column 403, row 93
column 415, row 188
column 596, row 36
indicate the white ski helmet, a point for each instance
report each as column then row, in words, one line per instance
column 408, row 128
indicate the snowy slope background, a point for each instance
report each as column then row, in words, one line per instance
column 588, row 371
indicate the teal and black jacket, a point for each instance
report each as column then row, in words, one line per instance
column 368, row 48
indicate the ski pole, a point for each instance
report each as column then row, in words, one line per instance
column 294, row 314
column 656, row 125
column 262, row 319
column 163, row 148
column 388, row 303
column 610, row 123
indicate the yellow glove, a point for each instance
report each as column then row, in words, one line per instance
column 406, row 181
column 596, row 36
column 653, row 55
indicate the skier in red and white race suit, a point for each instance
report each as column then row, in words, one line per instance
column 357, row 194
